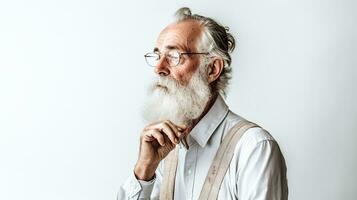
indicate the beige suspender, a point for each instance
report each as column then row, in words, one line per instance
column 216, row 171
column 222, row 160
column 168, row 182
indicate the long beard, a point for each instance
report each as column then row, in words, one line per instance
column 169, row 100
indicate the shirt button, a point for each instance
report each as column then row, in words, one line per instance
column 189, row 172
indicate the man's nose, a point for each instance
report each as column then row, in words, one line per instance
column 162, row 67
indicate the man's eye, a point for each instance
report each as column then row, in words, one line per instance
column 172, row 57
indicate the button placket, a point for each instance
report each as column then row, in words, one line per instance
column 190, row 164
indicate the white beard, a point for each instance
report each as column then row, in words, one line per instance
column 169, row 100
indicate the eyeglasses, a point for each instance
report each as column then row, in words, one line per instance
column 172, row 57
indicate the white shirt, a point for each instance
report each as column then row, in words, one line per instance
column 257, row 170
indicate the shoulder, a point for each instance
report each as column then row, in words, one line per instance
column 256, row 140
column 257, row 161
column 253, row 135
column 256, row 136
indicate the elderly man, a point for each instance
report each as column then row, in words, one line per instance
column 194, row 146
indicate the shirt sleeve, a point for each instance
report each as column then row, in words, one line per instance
column 138, row 189
column 263, row 174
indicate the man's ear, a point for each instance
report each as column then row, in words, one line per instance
column 215, row 69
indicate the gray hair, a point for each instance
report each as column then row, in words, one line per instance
column 216, row 40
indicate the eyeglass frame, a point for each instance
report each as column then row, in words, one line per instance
column 180, row 55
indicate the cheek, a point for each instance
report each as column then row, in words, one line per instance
column 184, row 75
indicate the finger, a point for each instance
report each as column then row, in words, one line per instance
column 155, row 125
column 166, row 129
column 148, row 136
column 150, row 126
column 182, row 127
column 158, row 136
column 174, row 128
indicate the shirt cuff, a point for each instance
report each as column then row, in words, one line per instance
column 147, row 187
column 132, row 187
column 135, row 188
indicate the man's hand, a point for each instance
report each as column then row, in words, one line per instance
column 156, row 141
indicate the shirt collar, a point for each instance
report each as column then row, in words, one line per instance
column 209, row 122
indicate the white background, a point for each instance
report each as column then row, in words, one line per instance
column 73, row 80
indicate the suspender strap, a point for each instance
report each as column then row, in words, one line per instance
column 168, row 182
column 222, row 160
column 216, row 171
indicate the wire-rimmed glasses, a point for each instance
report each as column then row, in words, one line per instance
column 172, row 57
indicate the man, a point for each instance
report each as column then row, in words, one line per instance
column 187, row 113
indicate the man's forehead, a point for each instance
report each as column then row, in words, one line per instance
column 181, row 36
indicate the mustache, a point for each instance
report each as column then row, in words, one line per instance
column 165, row 83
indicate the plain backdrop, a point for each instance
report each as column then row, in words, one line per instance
column 73, row 80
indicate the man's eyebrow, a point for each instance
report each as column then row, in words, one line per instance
column 170, row 47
